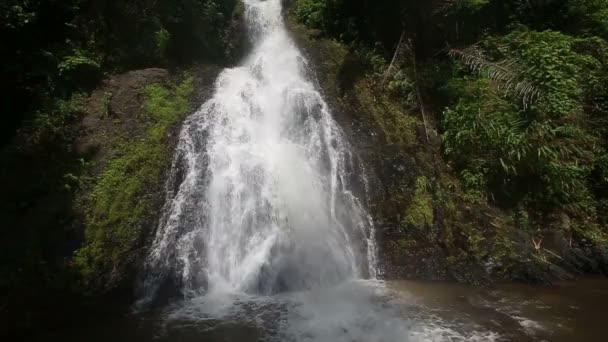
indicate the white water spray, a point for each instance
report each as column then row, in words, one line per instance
column 260, row 198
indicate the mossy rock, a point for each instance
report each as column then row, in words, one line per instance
column 130, row 150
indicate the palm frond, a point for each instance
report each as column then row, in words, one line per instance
column 507, row 72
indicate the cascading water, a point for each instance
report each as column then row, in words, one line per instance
column 260, row 199
column 263, row 233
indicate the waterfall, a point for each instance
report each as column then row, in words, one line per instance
column 265, row 235
column 261, row 198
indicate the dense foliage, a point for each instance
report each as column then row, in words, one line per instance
column 523, row 84
column 53, row 53
column 51, row 49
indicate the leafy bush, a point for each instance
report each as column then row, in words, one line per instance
column 542, row 152
column 311, row 12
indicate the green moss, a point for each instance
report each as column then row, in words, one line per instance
column 420, row 212
column 398, row 127
column 473, row 239
column 399, row 248
column 122, row 198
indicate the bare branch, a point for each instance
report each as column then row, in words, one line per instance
column 390, row 67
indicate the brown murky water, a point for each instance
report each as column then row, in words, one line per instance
column 368, row 311
column 565, row 312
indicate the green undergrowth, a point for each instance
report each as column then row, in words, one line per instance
column 124, row 197
column 420, row 212
column 512, row 114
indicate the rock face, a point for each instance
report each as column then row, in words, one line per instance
column 114, row 117
column 112, row 109
column 428, row 226
column 127, row 139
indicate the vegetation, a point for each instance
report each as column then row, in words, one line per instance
column 523, row 84
column 421, row 211
column 54, row 49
